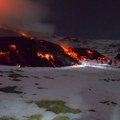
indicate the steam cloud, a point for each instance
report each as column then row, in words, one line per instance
column 25, row 15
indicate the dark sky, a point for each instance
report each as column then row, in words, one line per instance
column 86, row 18
column 82, row 18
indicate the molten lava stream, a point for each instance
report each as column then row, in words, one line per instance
column 70, row 52
column 13, row 47
column 47, row 56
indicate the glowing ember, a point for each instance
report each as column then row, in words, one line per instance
column 47, row 56
column 74, row 64
column 82, row 58
column 70, row 52
column 105, row 58
column 83, row 54
column 89, row 52
column 4, row 53
column 13, row 47
column 24, row 34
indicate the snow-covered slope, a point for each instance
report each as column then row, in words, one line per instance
column 108, row 47
column 91, row 87
column 93, row 90
column 111, row 48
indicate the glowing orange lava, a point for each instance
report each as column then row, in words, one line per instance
column 5, row 55
column 70, row 52
column 13, row 47
column 47, row 56
column 82, row 58
column 89, row 52
column 104, row 58
column 24, row 34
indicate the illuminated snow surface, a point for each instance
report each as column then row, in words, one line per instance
column 92, row 88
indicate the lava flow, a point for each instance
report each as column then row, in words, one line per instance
column 25, row 52
column 47, row 56
column 22, row 51
column 70, row 52
column 13, row 47
column 84, row 54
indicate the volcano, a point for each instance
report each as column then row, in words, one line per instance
column 19, row 49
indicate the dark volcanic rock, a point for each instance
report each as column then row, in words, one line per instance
column 85, row 52
column 21, row 50
column 10, row 89
column 117, row 57
column 26, row 52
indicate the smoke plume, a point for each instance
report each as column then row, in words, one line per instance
column 25, row 15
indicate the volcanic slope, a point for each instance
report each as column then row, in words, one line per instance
column 24, row 50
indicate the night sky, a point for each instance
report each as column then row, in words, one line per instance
column 87, row 18
column 81, row 18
